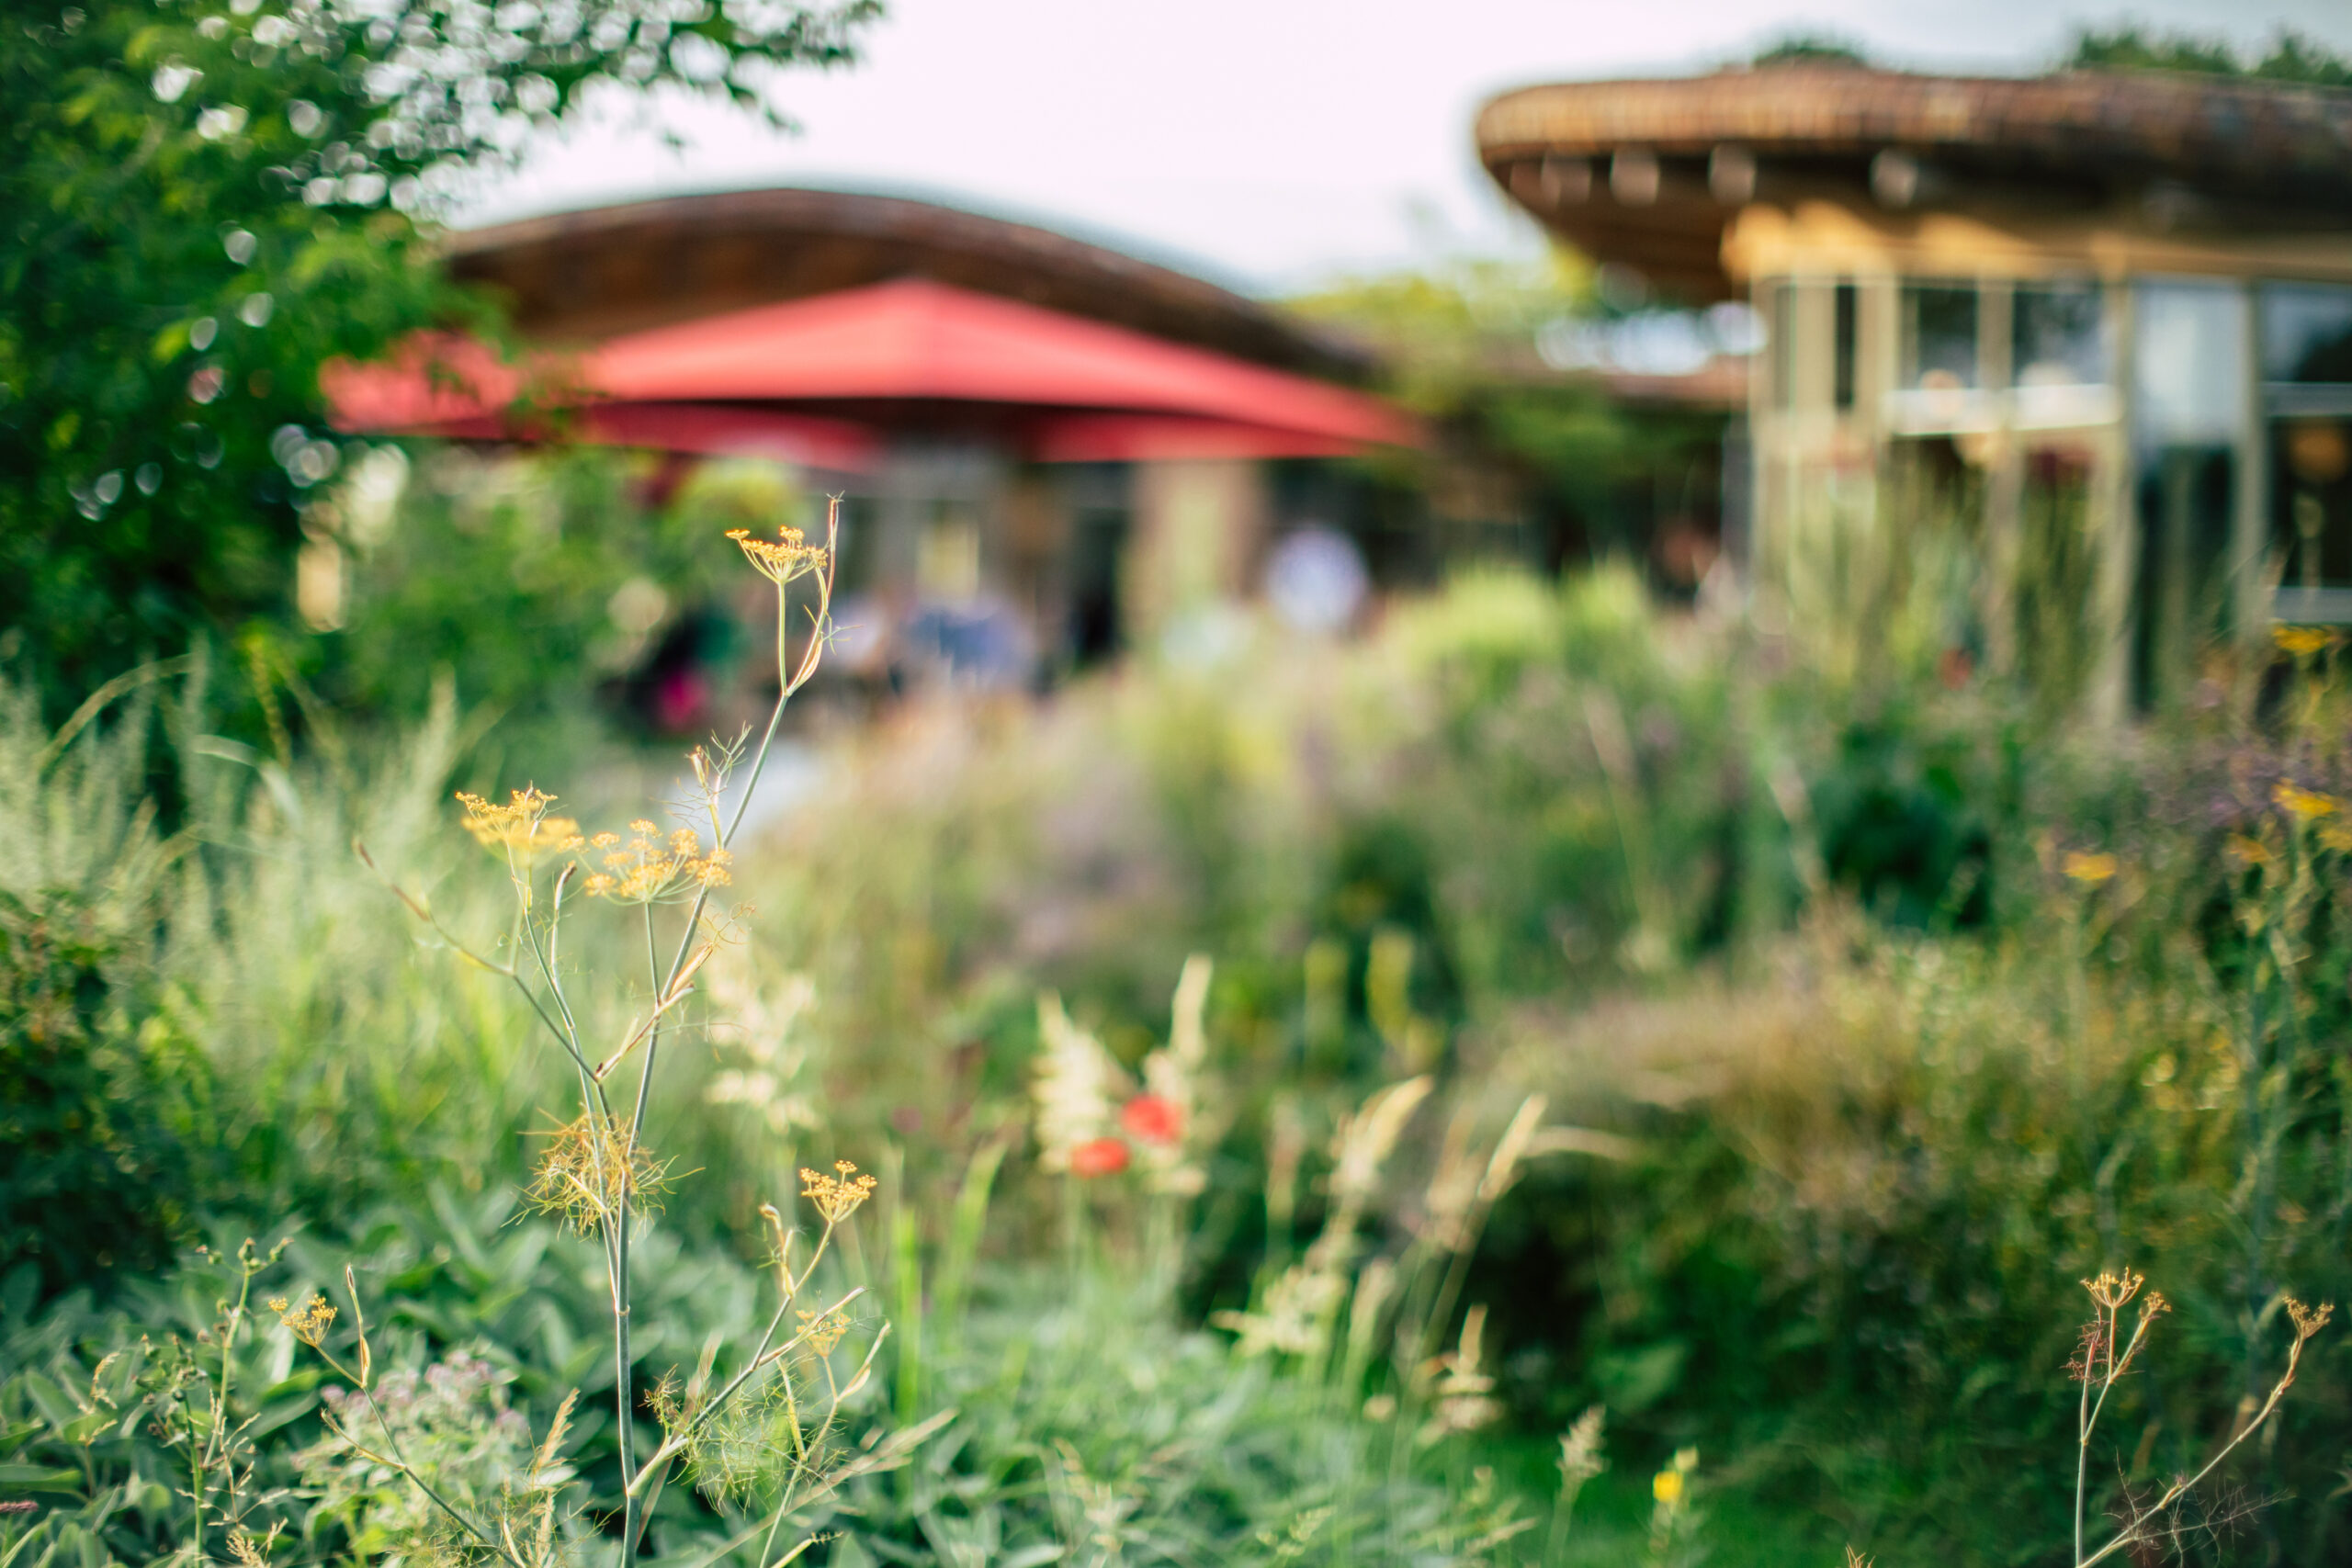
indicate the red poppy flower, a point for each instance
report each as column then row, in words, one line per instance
column 1149, row 1118
column 1098, row 1156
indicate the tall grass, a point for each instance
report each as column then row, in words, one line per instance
column 1867, row 1017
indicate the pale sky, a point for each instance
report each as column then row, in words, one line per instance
column 1266, row 143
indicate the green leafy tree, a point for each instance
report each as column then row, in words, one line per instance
column 207, row 201
column 2293, row 57
column 1459, row 345
column 1810, row 49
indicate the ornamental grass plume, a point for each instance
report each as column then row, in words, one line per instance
column 1297, row 1311
column 1581, row 1460
column 1074, row 1089
column 1170, row 1121
column 1462, row 1391
column 761, row 1038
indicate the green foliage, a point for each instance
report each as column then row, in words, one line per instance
column 1871, row 1014
column 1458, row 340
column 1810, row 49
column 1091, row 1428
column 538, row 581
column 97, row 1096
column 209, row 202
column 2293, row 57
column 1080, row 1418
column 96, row 1179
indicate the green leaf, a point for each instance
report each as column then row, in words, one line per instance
column 35, row 1478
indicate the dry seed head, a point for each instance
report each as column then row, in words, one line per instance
column 787, row 556
column 310, row 1323
column 2112, row 1289
column 821, row 1332
column 594, row 1171
column 2309, row 1321
column 674, row 1403
column 249, row 1550
column 837, row 1196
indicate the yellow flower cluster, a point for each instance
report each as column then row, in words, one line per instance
column 310, row 1323
column 836, row 1196
column 780, row 560
column 1669, row 1486
column 2301, row 642
column 2092, row 869
column 648, row 866
column 521, row 830
column 2305, row 804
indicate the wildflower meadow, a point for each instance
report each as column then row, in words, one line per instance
column 1555, row 1081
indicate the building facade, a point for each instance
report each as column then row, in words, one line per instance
column 2099, row 325
column 1049, row 450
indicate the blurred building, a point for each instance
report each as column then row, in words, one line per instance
column 2101, row 323
column 1049, row 449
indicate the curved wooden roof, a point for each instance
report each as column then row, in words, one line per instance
column 580, row 277
column 1648, row 171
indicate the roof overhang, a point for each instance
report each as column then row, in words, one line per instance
column 1650, row 173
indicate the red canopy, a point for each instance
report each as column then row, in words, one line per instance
column 818, row 379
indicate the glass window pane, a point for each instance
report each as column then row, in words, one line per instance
column 2058, row 336
column 2188, row 364
column 2182, row 600
column 1940, row 335
column 2311, row 494
column 2306, row 332
column 1842, row 372
column 2191, row 399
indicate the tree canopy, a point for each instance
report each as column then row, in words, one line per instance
column 206, row 201
column 2291, row 58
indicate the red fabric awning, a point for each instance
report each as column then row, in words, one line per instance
column 819, row 379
